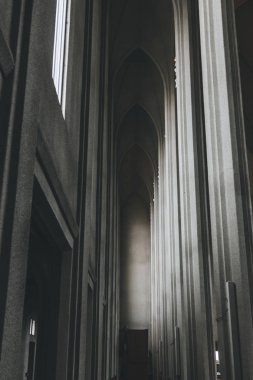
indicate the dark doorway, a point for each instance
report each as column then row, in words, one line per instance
column 134, row 357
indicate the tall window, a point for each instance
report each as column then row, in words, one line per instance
column 61, row 47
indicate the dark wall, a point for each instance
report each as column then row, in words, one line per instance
column 54, row 163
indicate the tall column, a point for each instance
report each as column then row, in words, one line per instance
column 230, row 204
column 171, row 233
column 191, row 282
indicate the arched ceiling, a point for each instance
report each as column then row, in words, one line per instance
column 141, row 47
column 139, row 82
column 137, row 128
column 140, row 24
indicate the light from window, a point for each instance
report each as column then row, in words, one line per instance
column 217, row 357
column 32, row 327
column 61, row 45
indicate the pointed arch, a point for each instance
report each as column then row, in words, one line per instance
column 137, row 127
column 149, row 57
column 131, row 148
column 144, row 170
column 141, row 107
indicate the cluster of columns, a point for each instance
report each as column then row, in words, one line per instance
column 201, row 222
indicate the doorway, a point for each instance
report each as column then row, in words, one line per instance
column 134, row 355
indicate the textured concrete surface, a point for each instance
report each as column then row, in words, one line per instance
column 135, row 270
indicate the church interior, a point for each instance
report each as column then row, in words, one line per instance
column 126, row 189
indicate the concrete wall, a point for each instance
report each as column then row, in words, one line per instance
column 56, row 164
column 135, row 265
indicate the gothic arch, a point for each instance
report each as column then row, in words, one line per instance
column 149, row 56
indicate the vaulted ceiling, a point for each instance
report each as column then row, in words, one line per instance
column 140, row 24
column 141, row 44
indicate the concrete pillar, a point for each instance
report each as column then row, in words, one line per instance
column 171, row 210
column 193, row 310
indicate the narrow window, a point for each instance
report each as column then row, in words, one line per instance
column 217, row 360
column 30, row 373
column 61, row 45
column 32, row 327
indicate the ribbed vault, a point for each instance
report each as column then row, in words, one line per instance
column 140, row 24
column 139, row 82
column 137, row 128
